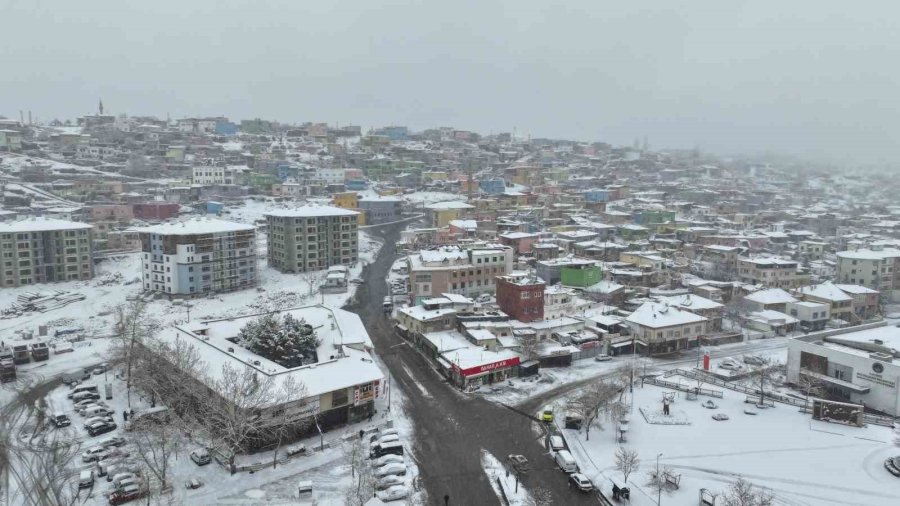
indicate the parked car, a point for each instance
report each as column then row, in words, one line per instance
column 86, row 479
column 101, row 428
column 389, row 481
column 393, row 469
column 124, row 496
column 94, row 419
column 394, row 493
column 388, row 459
column 519, row 462
column 388, row 438
column 730, row 363
column 393, row 448
column 547, row 415
column 602, row 358
column 581, row 482
column 93, row 454
column 357, row 281
column 200, row 457
column 565, row 461
column 134, row 481
column 115, row 453
column 193, row 483
column 113, row 441
column 81, row 405
column 386, row 432
column 753, row 360
column 557, row 443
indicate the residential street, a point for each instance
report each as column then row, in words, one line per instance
column 452, row 428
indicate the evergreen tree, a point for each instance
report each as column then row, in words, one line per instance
column 289, row 342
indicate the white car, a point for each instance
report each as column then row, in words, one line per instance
column 394, row 493
column 389, row 459
column 93, row 454
column 602, row 358
column 388, row 438
column 389, row 481
column 582, row 482
column 392, row 469
column 557, row 443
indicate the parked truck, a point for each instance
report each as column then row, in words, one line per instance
column 7, row 366
column 40, row 352
column 21, row 354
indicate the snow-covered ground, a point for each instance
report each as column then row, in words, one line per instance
column 497, row 474
column 112, row 285
column 800, row 460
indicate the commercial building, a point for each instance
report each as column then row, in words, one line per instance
column 451, row 269
column 42, row 250
column 856, row 364
column 198, row 256
column 380, row 210
column 340, row 386
column 311, row 238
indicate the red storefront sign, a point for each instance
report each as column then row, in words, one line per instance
column 471, row 371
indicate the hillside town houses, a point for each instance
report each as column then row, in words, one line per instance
column 514, row 254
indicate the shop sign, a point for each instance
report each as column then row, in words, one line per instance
column 487, row 367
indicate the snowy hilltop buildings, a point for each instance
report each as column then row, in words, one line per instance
column 198, row 256
column 312, row 238
column 449, row 269
column 41, row 250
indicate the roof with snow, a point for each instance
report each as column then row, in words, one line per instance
column 827, row 291
column 41, row 225
column 195, row 226
column 658, row 315
column 311, row 212
column 771, row 296
column 857, row 289
column 690, row 302
column 450, row 204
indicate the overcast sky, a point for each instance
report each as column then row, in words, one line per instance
column 811, row 77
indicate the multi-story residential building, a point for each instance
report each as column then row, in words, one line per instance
column 468, row 272
column 865, row 300
column 521, row 297
column 198, row 256
column 42, row 250
column 876, row 268
column 771, row 272
column 233, row 174
column 442, row 213
column 839, row 302
column 311, row 238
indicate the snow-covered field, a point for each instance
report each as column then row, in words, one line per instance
column 800, row 460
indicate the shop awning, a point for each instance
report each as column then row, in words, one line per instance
column 621, row 344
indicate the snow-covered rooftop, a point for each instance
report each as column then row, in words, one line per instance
column 771, row 296
column 827, row 291
column 311, row 212
column 658, row 315
column 195, row 226
column 40, row 225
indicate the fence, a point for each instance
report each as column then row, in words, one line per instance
column 886, row 421
column 685, row 388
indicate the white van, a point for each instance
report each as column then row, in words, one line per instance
column 565, row 461
column 86, row 479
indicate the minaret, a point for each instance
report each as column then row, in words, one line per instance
column 101, row 107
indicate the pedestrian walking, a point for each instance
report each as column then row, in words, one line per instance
column 125, row 415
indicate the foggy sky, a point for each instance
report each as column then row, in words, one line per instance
column 810, row 77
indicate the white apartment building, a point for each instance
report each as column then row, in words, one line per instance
column 208, row 174
column 660, row 328
column 43, row 250
column 330, row 176
column 875, row 268
column 312, row 238
column 198, row 256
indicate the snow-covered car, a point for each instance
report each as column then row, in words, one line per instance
column 389, row 481
column 113, row 441
column 394, row 493
column 753, row 360
column 392, row 469
column 557, row 443
column 729, row 363
column 200, row 457
column 134, row 481
column 357, row 281
column 88, row 403
column 581, row 482
column 101, row 428
column 95, row 419
column 93, row 454
column 602, row 358
column 378, row 435
column 115, row 453
column 389, row 459
column 193, row 483
column 388, row 438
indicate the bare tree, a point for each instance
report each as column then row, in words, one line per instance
column 156, row 444
column 744, row 493
column 42, row 464
column 132, row 327
column 234, row 413
column 764, row 374
column 592, row 401
column 657, row 480
column 355, row 452
column 360, row 492
column 291, row 419
column 811, row 387
column 528, row 346
column 539, row 496
column 627, row 461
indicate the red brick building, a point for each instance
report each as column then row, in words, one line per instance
column 521, row 297
column 156, row 210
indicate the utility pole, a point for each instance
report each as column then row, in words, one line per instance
column 658, row 485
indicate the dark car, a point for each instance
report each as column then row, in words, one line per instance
column 122, row 497
column 101, row 428
column 113, row 441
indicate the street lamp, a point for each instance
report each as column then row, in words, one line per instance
column 658, row 483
